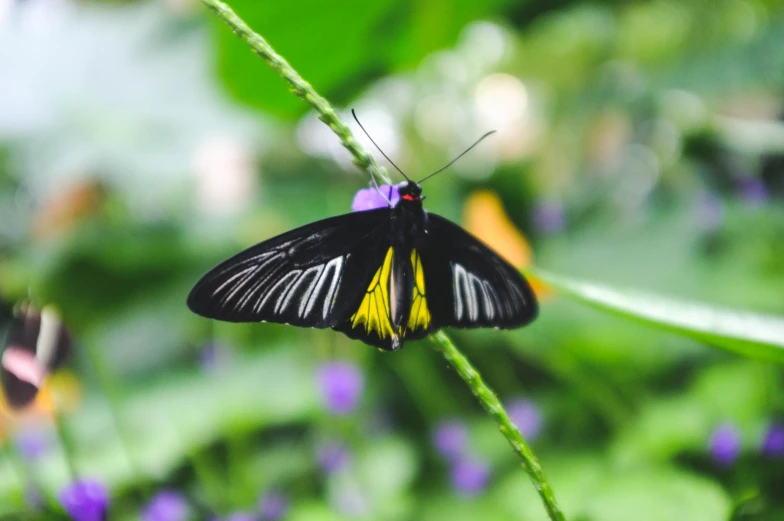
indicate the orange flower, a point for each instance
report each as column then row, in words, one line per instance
column 64, row 209
column 485, row 218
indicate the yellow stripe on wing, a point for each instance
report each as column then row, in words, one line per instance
column 420, row 315
column 373, row 312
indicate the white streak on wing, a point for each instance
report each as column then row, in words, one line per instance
column 245, row 279
column 230, row 279
column 489, row 311
column 460, row 281
column 252, row 260
column 337, row 263
column 306, row 296
column 473, row 305
column 319, row 284
column 264, row 290
column 248, row 295
column 492, row 297
column 246, row 276
column 282, row 305
column 284, row 280
column 259, row 281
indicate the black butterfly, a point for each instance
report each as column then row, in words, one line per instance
column 36, row 344
column 381, row 276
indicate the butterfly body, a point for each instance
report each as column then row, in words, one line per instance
column 382, row 276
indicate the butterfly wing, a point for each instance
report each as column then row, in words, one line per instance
column 307, row 277
column 469, row 285
column 37, row 343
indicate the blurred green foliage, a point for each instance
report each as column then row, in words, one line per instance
column 640, row 145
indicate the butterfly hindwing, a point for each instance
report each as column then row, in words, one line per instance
column 394, row 294
column 310, row 277
column 468, row 284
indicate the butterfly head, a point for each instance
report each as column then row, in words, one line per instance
column 410, row 191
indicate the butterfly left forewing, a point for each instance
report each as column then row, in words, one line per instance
column 469, row 284
column 307, row 277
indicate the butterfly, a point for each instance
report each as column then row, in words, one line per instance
column 36, row 344
column 382, row 276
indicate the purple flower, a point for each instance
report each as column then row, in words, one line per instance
column 85, row 500
column 332, row 457
column 527, row 417
column 273, row 506
column 450, row 439
column 341, row 386
column 469, row 476
column 725, row 444
column 753, row 192
column 370, row 198
column 166, row 505
column 773, row 444
column 549, row 216
column 32, row 442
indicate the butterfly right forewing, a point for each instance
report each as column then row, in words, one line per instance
column 469, row 284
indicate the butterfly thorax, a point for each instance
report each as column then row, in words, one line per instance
column 407, row 228
column 408, row 219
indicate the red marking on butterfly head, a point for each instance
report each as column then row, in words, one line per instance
column 410, row 191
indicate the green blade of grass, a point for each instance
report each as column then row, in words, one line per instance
column 752, row 335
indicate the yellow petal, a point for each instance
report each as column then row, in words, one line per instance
column 485, row 218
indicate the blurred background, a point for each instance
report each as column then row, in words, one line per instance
column 639, row 144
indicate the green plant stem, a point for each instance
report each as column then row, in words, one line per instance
column 299, row 86
column 65, row 441
column 493, row 406
column 110, row 390
column 365, row 161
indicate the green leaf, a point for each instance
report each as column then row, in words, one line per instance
column 338, row 47
column 167, row 419
column 593, row 490
column 749, row 334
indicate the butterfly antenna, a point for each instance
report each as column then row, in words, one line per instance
column 377, row 147
column 458, row 157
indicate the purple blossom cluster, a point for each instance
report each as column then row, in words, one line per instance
column 725, row 444
column 370, row 198
column 468, row 473
column 341, row 384
column 773, row 443
column 85, row 500
column 526, row 416
column 88, row 500
column 166, row 505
